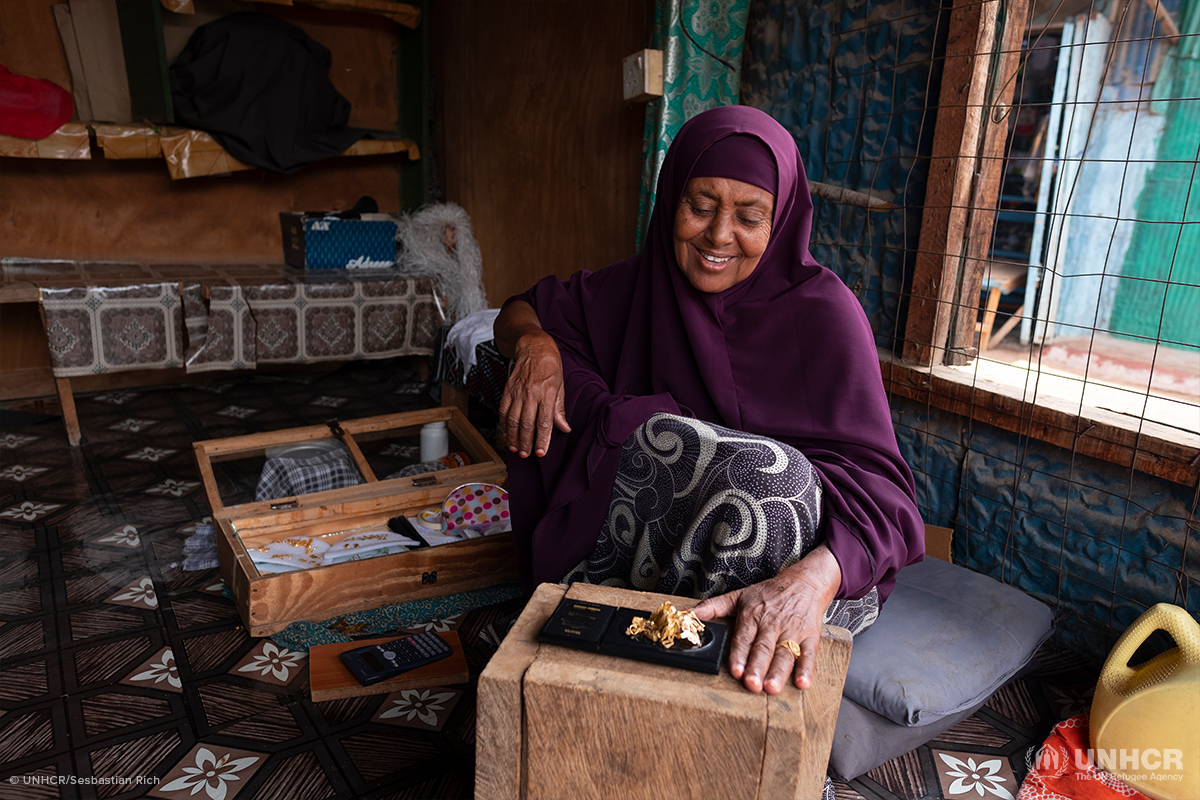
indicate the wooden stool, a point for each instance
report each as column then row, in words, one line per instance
column 1000, row 278
column 554, row 722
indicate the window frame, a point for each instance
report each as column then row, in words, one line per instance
column 983, row 54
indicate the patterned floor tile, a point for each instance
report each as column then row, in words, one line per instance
column 379, row 754
column 133, row 763
column 157, row 672
column 21, row 472
column 220, row 772
column 104, row 621
column 15, row 441
column 299, row 777
column 209, row 651
column 169, row 692
column 969, row 774
column 21, row 638
column 174, row 488
column 29, row 510
column 270, row 663
column 109, row 712
column 132, row 425
column 32, row 732
column 237, row 412
column 22, row 682
column 424, row 709
column 151, row 454
column 139, row 593
column 107, row 662
column 125, row 536
column 193, row 611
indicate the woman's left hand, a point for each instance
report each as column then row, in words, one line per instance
column 790, row 606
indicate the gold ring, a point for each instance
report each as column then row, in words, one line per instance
column 790, row 646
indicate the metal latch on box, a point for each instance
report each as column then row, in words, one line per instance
column 285, row 505
column 425, row 480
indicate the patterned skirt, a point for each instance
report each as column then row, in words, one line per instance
column 698, row 510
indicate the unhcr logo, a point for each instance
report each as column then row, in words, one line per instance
column 1130, row 764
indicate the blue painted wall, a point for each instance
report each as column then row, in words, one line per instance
column 1099, row 543
column 850, row 79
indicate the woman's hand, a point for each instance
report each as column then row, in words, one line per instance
column 790, row 606
column 534, row 401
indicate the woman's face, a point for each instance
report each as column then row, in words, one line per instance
column 722, row 227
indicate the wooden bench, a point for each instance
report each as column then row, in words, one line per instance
column 107, row 318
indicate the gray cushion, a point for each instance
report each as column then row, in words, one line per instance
column 945, row 640
column 864, row 740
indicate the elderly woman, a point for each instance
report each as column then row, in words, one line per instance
column 707, row 418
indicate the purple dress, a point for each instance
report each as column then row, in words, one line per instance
column 786, row 354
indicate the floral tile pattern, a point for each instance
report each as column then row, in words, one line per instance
column 330, row 402
column 139, row 594
column 970, row 775
column 21, row 473
column 271, row 663
column 132, row 425
column 426, row 709
column 219, row 773
column 174, row 488
column 151, row 454
column 11, row 441
column 29, row 511
column 238, row 412
column 118, row 664
column 126, row 536
column 159, row 672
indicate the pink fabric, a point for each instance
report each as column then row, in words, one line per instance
column 786, row 353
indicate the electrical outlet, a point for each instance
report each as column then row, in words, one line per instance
column 643, row 76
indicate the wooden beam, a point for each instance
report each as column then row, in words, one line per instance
column 988, row 178
column 1144, row 446
column 956, row 136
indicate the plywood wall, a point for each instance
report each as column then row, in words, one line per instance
column 531, row 134
column 533, row 138
column 132, row 210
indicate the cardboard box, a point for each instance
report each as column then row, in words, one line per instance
column 270, row 601
column 316, row 241
column 554, row 722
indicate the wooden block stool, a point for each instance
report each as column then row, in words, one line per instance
column 560, row 723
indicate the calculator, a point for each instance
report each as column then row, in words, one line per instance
column 378, row 662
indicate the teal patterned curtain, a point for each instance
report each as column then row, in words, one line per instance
column 701, row 42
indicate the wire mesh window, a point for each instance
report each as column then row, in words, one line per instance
column 1079, row 299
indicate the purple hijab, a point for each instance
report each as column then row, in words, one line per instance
column 786, row 353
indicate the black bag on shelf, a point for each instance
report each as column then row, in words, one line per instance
column 261, row 87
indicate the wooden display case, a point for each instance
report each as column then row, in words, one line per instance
column 269, row 601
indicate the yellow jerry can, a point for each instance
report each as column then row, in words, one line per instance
column 1145, row 720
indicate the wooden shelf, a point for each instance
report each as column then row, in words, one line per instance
column 188, row 153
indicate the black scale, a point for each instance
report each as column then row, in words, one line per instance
column 601, row 629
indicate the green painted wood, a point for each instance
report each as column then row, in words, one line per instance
column 145, row 59
column 412, row 86
column 1160, row 281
